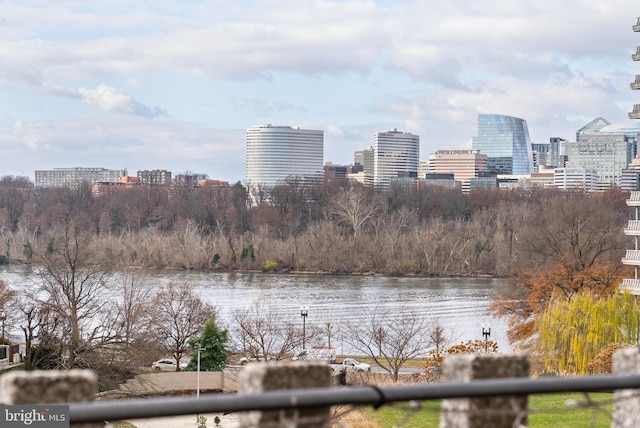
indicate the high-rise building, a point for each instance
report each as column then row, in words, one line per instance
column 607, row 154
column 632, row 257
column 557, row 152
column 275, row 153
column 465, row 164
column 505, row 140
column 635, row 85
column 423, row 169
column 72, row 177
column 631, row 176
column 395, row 155
column 365, row 160
column 541, row 154
column 630, row 130
column 155, row 177
column 605, row 147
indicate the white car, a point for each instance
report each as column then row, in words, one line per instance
column 168, row 364
column 245, row 360
column 353, row 364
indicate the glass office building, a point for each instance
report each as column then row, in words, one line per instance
column 505, row 140
column 605, row 147
column 275, row 153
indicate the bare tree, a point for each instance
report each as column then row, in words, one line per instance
column 132, row 308
column 6, row 294
column 130, row 320
column 575, row 234
column 40, row 327
column 74, row 292
column 439, row 341
column 178, row 315
column 30, row 325
column 389, row 339
column 353, row 207
column 260, row 332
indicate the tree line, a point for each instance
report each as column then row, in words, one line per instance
column 334, row 227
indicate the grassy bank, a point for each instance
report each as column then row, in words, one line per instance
column 548, row 410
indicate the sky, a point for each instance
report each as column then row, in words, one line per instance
column 174, row 84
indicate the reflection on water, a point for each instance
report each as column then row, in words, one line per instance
column 459, row 304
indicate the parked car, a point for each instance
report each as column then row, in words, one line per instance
column 254, row 359
column 168, row 364
column 316, row 353
column 351, row 364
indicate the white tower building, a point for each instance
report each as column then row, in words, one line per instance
column 277, row 152
column 396, row 155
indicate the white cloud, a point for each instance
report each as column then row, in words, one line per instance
column 118, row 142
column 424, row 67
column 426, row 40
column 110, row 99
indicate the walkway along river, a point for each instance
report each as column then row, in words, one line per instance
column 459, row 304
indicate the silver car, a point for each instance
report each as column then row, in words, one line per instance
column 168, row 365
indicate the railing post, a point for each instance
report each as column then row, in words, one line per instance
column 495, row 412
column 256, row 378
column 49, row 387
column 626, row 402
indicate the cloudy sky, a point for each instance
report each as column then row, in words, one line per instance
column 174, row 84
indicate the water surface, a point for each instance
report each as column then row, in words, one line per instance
column 458, row 304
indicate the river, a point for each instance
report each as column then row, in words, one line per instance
column 458, row 304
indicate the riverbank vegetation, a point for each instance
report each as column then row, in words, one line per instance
column 333, row 227
column 553, row 244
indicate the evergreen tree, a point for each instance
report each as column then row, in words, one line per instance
column 213, row 345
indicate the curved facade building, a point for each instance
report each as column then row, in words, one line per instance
column 396, row 155
column 505, row 140
column 277, row 152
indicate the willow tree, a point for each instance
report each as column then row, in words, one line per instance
column 571, row 332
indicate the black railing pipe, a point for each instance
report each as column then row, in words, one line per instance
column 358, row 395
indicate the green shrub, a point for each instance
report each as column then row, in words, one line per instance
column 270, row 265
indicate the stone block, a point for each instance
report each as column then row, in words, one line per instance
column 484, row 412
column 626, row 402
column 49, row 387
column 258, row 378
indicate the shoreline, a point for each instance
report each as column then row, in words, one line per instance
column 19, row 262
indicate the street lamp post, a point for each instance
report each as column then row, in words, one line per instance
column 304, row 311
column 486, row 333
column 200, row 348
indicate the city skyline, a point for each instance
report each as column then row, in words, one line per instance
column 175, row 85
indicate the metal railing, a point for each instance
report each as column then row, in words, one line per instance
column 357, row 395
